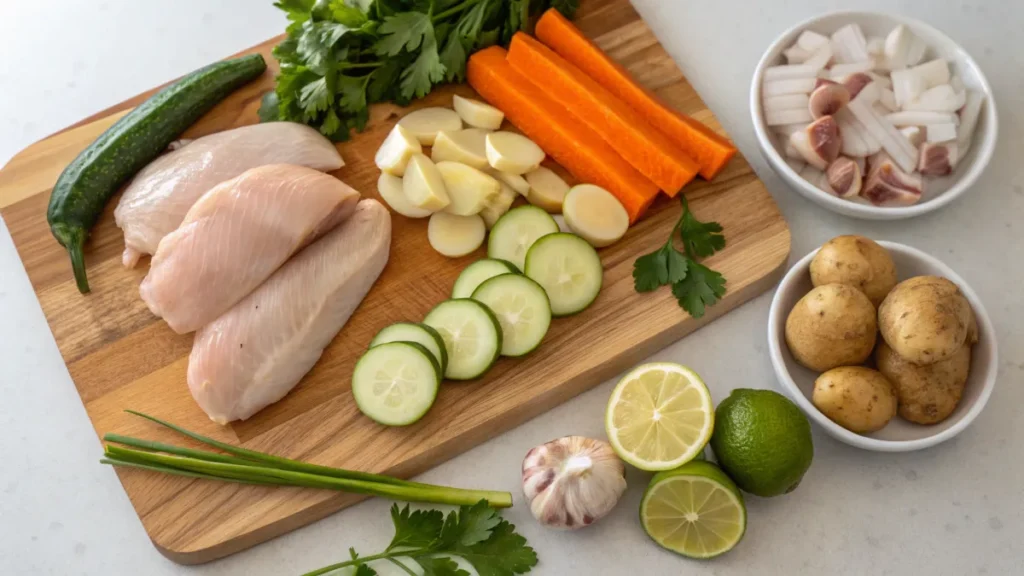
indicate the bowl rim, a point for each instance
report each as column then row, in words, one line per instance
column 983, row 155
column 985, row 327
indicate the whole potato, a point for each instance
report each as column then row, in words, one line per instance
column 927, row 394
column 859, row 399
column 856, row 261
column 925, row 319
column 832, row 325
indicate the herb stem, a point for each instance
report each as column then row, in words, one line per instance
column 404, row 568
column 362, row 560
column 350, row 66
column 454, row 10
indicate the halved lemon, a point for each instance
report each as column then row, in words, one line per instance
column 695, row 510
column 659, row 416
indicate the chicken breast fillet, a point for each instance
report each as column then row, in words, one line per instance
column 258, row 350
column 157, row 199
column 236, row 236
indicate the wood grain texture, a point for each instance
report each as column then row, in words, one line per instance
column 120, row 356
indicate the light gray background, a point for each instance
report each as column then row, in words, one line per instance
column 954, row 509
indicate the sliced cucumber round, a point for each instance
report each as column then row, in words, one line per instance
column 414, row 332
column 471, row 334
column 522, row 308
column 514, row 233
column 568, row 268
column 396, row 383
column 475, row 274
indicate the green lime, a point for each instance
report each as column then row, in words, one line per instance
column 694, row 510
column 763, row 441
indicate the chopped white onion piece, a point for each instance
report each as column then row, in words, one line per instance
column 794, row 116
column 820, row 59
column 786, row 102
column 969, row 119
column 914, row 135
column 782, row 87
column 849, row 45
column 892, row 141
column 857, row 141
column 941, row 132
column 934, row 73
column 787, row 129
column 840, row 71
column 897, row 47
column 883, row 81
column 916, row 52
column 876, row 46
column 957, row 84
column 887, row 98
column 907, row 86
column 796, row 165
column 789, row 72
column 941, row 98
column 791, row 152
column 918, row 118
column 811, row 41
column 796, row 55
column 870, row 93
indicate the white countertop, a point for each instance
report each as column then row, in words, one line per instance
column 954, row 509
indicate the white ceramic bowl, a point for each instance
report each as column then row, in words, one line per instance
column 938, row 191
column 899, row 435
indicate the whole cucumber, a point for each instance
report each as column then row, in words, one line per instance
column 84, row 187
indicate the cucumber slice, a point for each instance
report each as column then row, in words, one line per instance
column 396, row 383
column 514, row 233
column 522, row 308
column 568, row 268
column 413, row 332
column 475, row 274
column 471, row 334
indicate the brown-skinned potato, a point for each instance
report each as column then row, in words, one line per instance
column 927, row 394
column 925, row 319
column 832, row 325
column 856, row 261
column 859, row 399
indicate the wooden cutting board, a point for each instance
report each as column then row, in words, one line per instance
column 120, row 356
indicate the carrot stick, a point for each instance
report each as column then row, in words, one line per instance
column 569, row 141
column 649, row 151
column 695, row 139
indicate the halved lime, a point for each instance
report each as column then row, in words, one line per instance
column 695, row 510
column 659, row 416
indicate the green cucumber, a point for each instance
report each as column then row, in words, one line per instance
column 414, row 332
column 396, row 383
column 479, row 271
column 84, row 187
column 472, row 336
column 568, row 268
column 522, row 309
column 514, row 233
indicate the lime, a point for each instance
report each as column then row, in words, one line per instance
column 659, row 416
column 763, row 441
column 694, row 510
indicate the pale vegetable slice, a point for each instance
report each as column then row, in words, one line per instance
column 425, row 123
column 892, row 141
column 789, row 72
column 811, row 41
column 391, row 190
column 498, row 205
column 941, row 98
column 477, row 114
column 455, row 236
column 907, row 86
column 395, row 151
column 783, row 87
column 547, row 189
column 514, row 181
column 515, row 232
column 568, row 268
column 469, row 189
column 423, row 184
column 840, row 71
column 849, row 45
column 820, row 58
column 786, row 102
column 941, row 132
column 920, row 118
column 466, row 146
column 796, row 55
column 783, row 117
column 933, row 72
column 513, row 153
column 595, row 215
column 969, row 118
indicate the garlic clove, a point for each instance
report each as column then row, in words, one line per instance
column 888, row 185
column 937, row 159
column 844, row 177
column 823, row 135
column 856, row 82
column 828, row 99
column 573, row 481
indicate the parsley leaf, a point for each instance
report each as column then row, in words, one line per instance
column 344, row 13
column 701, row 239
column 352, row 92
column 296, row 10
column 404, row 30
column 504, row 553
column 566, row 7
column 315, row 97
column 440, row 566
column 472, row 525
column 417, row 529
column 426, row 70
column 702, row 287
column 453, row 58
column 364, row 570
column 650, row 271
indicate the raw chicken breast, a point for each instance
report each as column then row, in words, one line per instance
column 258, row 351
column 157, row 199
column 236, row 235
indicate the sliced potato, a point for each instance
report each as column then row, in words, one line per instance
column 514, row 181
column 477, row 114
column 395, row 151
column 595, row 215
column 423, row 184
column 468, row 189
column 455, row 236
column 466, row 146
column 425, row 123
column 390, row 189
column 511, row 152
column 547, row 189
column 498, row 205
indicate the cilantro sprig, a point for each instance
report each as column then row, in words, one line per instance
column 340, row 56
column 694, row 285
column 477, row 534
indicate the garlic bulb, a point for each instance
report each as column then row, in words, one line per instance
column 573, row 481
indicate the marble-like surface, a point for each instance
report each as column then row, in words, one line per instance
column 954, row 509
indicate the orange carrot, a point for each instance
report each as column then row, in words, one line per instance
column 566, row 139
column 649, row 151
column 695, row 139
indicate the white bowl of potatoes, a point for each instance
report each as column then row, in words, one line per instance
column 882, row 345
column 871, row 115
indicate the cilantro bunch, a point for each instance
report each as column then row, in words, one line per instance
column 477, row 534
column 694, row 285
column 340, row 56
